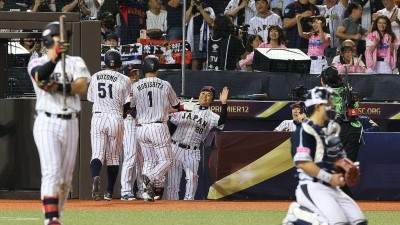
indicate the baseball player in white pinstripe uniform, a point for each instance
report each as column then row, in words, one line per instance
column 263, row 19
column 153, row 98
column 133, row 159
column 109, row 91
column 191, row 129
column 56, row 131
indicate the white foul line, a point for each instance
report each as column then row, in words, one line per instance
column 18, row 218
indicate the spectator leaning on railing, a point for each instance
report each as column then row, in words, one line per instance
column 156, row 21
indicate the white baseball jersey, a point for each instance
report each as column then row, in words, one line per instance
column 250, row 10
column 286, row 125
column 192, row 129
column 109, row 91
column 152, row 98
column 259, row 25
column 56, row 138
column 52, row 102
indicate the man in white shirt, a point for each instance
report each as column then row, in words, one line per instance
column 156, row 21
column 264, row 18
column 298, row 114
column 241, row 11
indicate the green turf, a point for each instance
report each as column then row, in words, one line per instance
column 174, row 217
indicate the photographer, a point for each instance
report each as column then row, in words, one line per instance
column 200, row 19
column 259, row 24
column 241, row 11
column 224, row 48
column 348, row 114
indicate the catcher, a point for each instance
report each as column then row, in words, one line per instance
column 322, row 168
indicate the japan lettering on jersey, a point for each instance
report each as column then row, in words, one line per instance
column 109, row 90
column 193, row 127
column 153, row 98
column 52, row 102
column 259, row 25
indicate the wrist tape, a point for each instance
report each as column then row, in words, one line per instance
column 324, row 176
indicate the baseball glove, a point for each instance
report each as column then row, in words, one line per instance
column 350, row 171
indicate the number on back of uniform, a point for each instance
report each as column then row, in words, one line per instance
column 103, row 90
column 150, row 97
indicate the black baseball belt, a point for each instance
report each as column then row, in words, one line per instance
column 184, row 146
column 62, row 116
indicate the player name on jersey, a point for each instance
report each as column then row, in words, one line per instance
column 149, row 85
column 107, row 77
column 196, row 118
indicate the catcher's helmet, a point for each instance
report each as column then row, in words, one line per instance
column 49, row 31
column 319, row 95
column 112, row 59
column 150, row 64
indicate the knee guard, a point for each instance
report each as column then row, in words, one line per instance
column 299, row 215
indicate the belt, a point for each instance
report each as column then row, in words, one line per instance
column 317, row 57
column 139, row 125
column 380, row 59
column 62, row 116
column 184, row 146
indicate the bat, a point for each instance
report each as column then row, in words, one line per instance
column 63, row 39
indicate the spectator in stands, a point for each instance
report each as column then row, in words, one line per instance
column 253, row 41
column 381, row 48
column 112, row 39
column 276, row 39
column 305, row 9
column 76, row 6
column 37, row 6
column 319, row 40
column 369, row 125
column 200, row 19
column 107, row 21
column 224, row 48
column 174, row 19
column 156, row 21
column 350, row 28
column 333, row 11
column 259, row 24
column 392, row 12
column 280, row 5
column 241, row 11
column 348, row 62
column 132, row 15
column 94, row 7
column 298, row 115
column 34, row 46
column 1, row 5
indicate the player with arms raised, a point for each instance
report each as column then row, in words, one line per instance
column 56, row 129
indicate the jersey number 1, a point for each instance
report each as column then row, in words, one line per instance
column 150, row 97
column 103, row 91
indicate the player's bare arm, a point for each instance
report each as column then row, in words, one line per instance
column 223, row 96
column 314, row 170
column 79, row 86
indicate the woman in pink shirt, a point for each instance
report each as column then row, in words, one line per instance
column 318, row 41
column 381, row 47
column 276, row 39
column 349, row 62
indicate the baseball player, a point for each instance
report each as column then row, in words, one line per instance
column 152, row 98
column 55, row 130
column 191, row 129
column 263, row 19
column 298, row 114
column 109, row 91
column 133, row 158
column 315, row 148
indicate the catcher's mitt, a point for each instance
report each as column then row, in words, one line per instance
column 349, row 169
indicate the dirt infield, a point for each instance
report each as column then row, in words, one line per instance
column 117, row 204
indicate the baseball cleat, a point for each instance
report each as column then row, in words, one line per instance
column 158, row 193
column 147, row 197
column 96, row 194
column 128, row 197
column 149, row 186
column 108, row 195
column 53, row 222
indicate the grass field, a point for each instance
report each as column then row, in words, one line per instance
column 174, row 217
column 88, row 212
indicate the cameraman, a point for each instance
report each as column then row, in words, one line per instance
column 224, row 48
column 241, row 11
column 265, row 18
column 348, row 114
